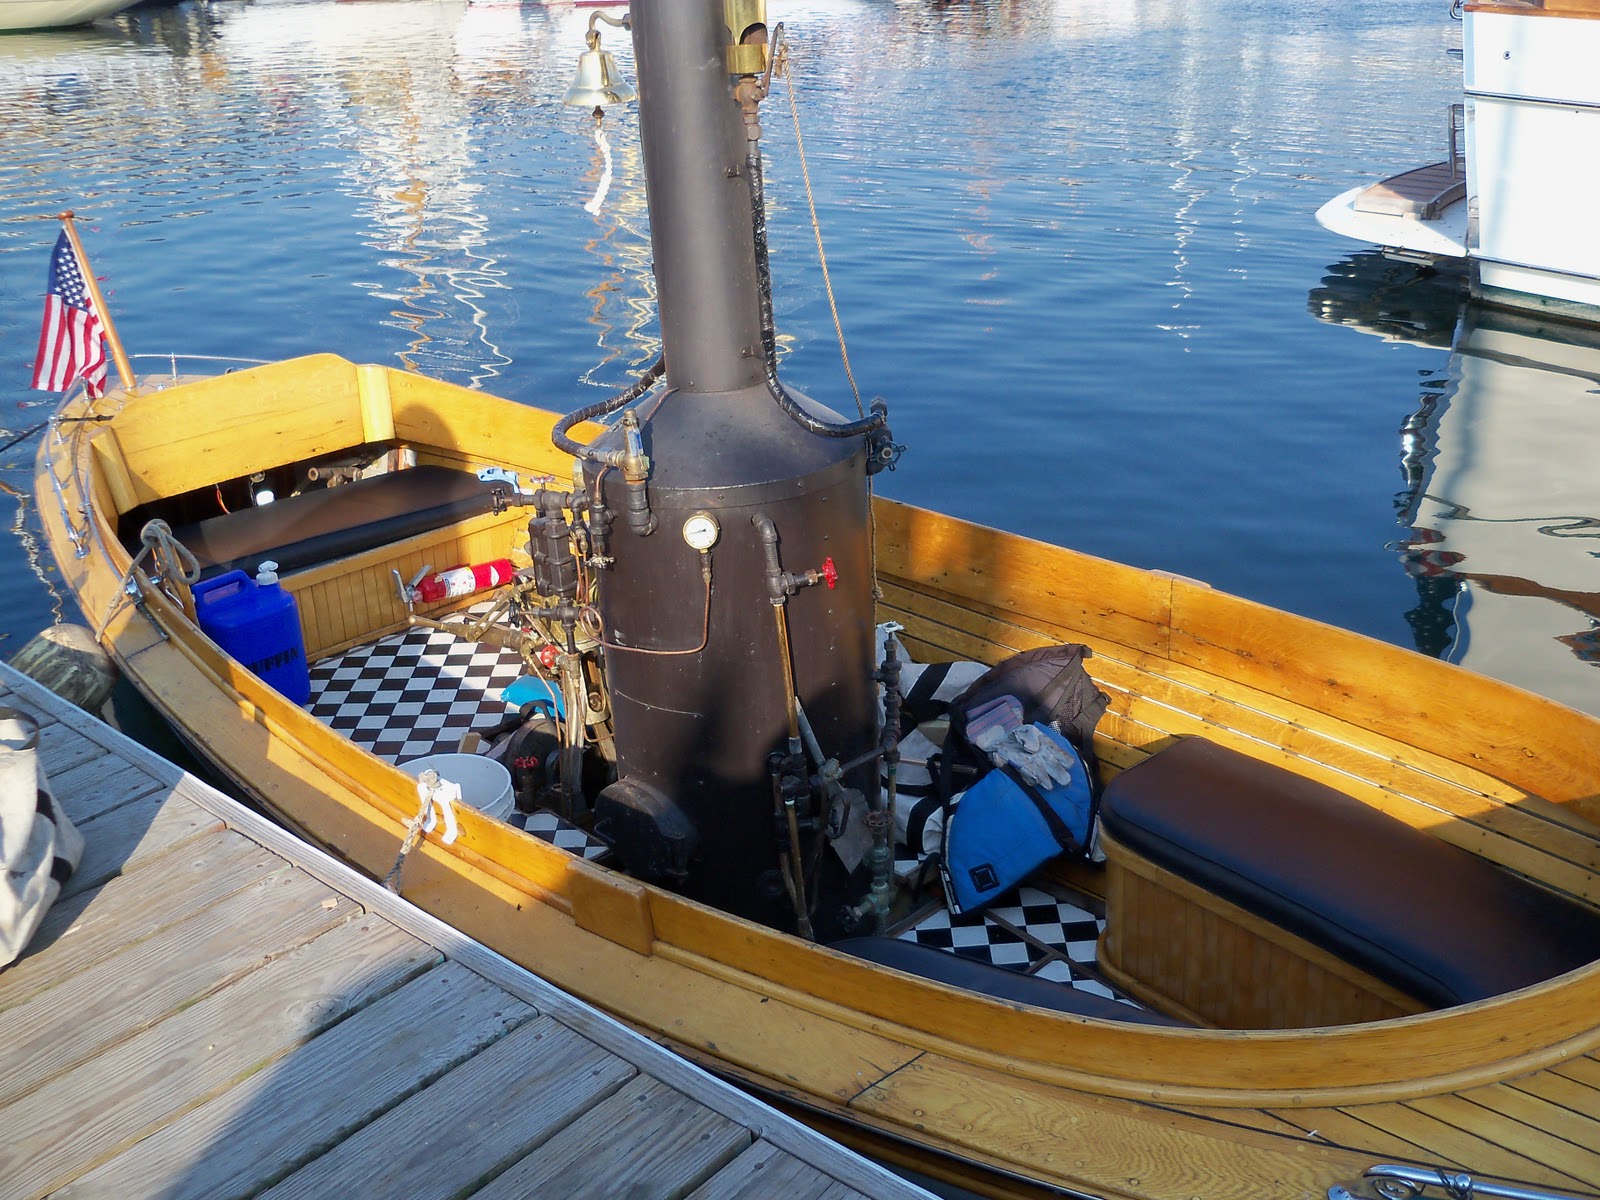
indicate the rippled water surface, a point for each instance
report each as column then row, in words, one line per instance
column 1073, row 244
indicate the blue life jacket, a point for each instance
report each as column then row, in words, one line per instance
column 1002, row 829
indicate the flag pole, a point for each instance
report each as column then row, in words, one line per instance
column 118, row 355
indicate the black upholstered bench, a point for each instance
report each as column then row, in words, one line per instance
column 320, row 526
column 1245, row 896
column 997, row 982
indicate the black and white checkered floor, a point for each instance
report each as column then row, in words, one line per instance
column 1032, row 932
column 417, row 693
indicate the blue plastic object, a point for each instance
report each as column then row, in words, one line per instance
column 520, row 691
column 257, row 623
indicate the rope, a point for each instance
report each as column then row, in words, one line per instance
column 833, row 306
column 432, row 792
column 816, row 226
column 167, row 555
column 167, row 551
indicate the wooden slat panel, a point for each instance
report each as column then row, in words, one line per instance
column 176, row 440
column 1101, row 1143
column 502, row 1102
column 86, row 927
column 1559, row 1138
column 98, row 786
column 1343, row 1129
column 143, row 1082
column 473, row 425
column 646, row 1140
column 283, row 1116
column 354, row 600
column 1004, row 573
column 125, row 837
column 764, row 1172
column 1584, row 1070
column 122, row 994
column 1526, row 834
column 1443, row 1139
column 1541, row 746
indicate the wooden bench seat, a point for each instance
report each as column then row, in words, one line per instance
column 320, row 526
column 1242, row 895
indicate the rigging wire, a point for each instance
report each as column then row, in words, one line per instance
column 781, row 67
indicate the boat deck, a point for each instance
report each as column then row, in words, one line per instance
column 420, row 691
column 1422, row 193
column 214, row 1009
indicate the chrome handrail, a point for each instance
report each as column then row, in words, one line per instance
column 1396, row 1181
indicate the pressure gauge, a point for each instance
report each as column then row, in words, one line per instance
column 701, row 531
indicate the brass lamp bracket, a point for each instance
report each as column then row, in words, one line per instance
column 747, row 36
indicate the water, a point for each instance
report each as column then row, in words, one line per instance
column 1072, row 244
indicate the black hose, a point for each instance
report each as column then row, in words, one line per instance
column 769, row 340
column 558, row 432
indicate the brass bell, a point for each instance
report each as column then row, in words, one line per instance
column 598, row 81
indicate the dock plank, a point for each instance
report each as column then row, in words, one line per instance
column 594, row 1156
column 342, row 1042
column 269, row 1124
column 150, row 978
column 503, row 1102
column 125, row 836
column 764, row 1171
column 84, row 927
column 143, row 1082
column 96, row 787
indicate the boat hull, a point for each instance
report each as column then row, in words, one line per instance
column 1006, row 1091
column 17, row 16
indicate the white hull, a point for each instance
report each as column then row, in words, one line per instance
column 1532, row 152
column 18, row 15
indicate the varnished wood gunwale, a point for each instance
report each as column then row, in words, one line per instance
column 832, row 1029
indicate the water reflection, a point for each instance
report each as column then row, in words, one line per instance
column 1500, row 508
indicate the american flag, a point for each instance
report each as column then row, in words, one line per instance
column 70, row 345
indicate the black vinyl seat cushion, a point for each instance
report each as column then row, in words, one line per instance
column 1429, row 918
column 320, row 526
column 928, row 962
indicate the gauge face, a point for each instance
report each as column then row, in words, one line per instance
column 701, row 531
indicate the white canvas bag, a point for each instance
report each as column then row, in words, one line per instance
column 39, row 848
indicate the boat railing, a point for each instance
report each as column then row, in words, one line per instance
column 1393, row 1181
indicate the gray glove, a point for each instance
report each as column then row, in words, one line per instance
column 997, row 730
column 1043, row 757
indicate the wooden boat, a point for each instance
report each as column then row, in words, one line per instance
column 1346, row 921
column 1507, row 1086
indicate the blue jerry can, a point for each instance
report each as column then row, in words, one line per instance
column 257, row 623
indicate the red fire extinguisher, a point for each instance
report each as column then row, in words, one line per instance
column 462, row 581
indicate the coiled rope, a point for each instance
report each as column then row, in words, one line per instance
column 167, row 556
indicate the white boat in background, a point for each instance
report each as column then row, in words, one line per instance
column 19, row 15
column 1515, row 195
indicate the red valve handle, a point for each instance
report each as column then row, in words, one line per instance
column 830, row 573
column 547, row 655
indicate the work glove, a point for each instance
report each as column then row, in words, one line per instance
column 996, row 728
column 1044, row 757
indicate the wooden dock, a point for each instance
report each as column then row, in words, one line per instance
column 214, row 1009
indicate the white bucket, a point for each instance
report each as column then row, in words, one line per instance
column 484, row 783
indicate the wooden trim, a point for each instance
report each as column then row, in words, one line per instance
column 108, row 458
column 377, row 414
